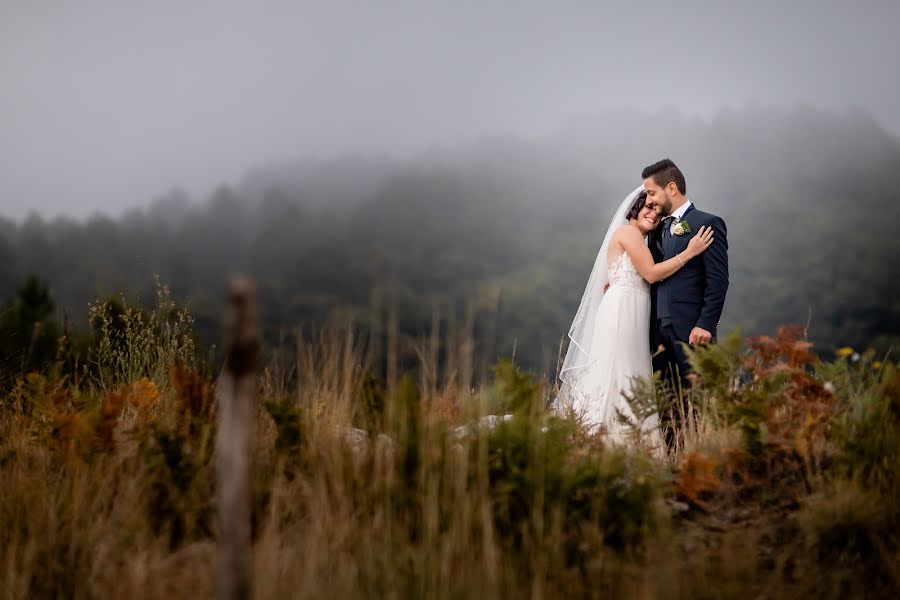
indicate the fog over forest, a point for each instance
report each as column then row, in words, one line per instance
column 443, row 159
column 106, row 105
column 417, row 193
column 512, row 225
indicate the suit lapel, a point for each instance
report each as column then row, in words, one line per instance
column 680, row 242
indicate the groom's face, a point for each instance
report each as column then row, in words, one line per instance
column 658, row 195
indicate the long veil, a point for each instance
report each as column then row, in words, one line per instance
column 582, row 345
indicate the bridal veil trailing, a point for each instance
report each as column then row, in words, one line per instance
column 609, row 343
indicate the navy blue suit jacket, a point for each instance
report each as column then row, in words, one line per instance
column 695, row 295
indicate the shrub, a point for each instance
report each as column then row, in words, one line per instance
column 131, row 343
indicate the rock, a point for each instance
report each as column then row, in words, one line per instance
column 488, row 421
column 359, row 441
column 356, row 439
column 678, row 506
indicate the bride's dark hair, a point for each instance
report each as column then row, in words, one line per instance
column 635, row 209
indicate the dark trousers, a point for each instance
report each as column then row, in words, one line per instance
column 671, row 361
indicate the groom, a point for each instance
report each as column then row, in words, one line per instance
column 684, row 308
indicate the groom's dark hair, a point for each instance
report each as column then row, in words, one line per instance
column 664, row 172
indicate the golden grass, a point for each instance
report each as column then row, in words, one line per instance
column 109, row 493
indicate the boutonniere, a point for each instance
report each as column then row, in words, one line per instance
column 681, row 227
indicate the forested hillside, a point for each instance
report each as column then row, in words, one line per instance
column 511, row 225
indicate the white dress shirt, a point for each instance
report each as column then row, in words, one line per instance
column 678, row 213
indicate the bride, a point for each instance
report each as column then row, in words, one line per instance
column 609, row 336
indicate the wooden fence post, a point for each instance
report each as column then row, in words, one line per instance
column 236, row 391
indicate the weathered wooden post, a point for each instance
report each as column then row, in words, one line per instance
column 236, row 391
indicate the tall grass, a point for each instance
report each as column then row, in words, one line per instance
column 400, row 488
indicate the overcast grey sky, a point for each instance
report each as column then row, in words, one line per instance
column 105, row 105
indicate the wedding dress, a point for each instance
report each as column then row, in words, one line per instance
column 609, row 346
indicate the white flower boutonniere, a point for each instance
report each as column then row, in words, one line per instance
column 681, row 227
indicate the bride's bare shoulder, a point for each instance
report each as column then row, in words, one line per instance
column 625, row 232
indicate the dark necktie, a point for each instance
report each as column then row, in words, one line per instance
column 666, row 223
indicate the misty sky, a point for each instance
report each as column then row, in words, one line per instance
column 106, row 105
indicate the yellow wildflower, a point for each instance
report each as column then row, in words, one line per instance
column 876, row 365
column 845, row 351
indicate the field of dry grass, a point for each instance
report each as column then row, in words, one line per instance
column 785, row 484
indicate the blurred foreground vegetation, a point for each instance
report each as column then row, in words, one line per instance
column 784, row 484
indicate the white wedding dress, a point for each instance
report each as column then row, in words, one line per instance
column 609, row 347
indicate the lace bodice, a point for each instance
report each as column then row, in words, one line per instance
column 623, row 273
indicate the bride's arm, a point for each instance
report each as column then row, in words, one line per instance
column 633, row 243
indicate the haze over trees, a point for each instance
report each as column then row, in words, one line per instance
column 507, row 228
